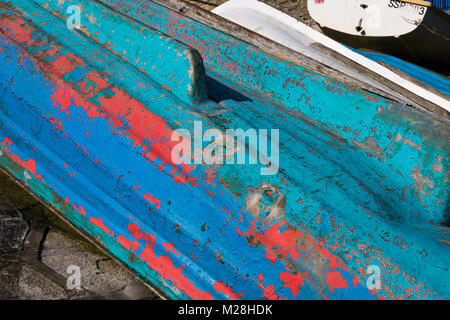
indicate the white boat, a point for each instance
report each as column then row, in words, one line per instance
column 413, row 30
column 286, row 30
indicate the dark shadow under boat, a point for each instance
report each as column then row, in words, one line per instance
column 428, row 45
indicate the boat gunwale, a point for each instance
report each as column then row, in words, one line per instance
column 272, row 47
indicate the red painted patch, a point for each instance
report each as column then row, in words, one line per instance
column 30, row 164
column 122, row 106
column 269, row 291
column 128, row 244
column 62, row 65
column 335, row 280
column 283, row 239
column 153, row 200
column 220, row 286
column 17, row 29
column 270, row 294
column 164, row 266
column 135, row 231
column 166, row 87
column 99, row 223
column 293, row 281
column 154, row 139
column 62, row 97
column 170, row 247
column 271, row 256
column 80, row 209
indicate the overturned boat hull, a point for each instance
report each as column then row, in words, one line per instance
column 87, row 118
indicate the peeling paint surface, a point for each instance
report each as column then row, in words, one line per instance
column 87, row 128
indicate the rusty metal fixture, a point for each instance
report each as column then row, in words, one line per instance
column 266, row 202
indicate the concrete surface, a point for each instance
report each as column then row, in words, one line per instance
column 37, row 250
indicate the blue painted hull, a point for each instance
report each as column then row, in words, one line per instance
column 86, row 124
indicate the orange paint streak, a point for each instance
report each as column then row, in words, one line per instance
column 210, row 175
column 93, row 84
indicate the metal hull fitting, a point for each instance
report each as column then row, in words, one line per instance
column 87, row 127
column 416, row 33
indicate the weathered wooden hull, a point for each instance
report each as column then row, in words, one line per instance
column 86, row 124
